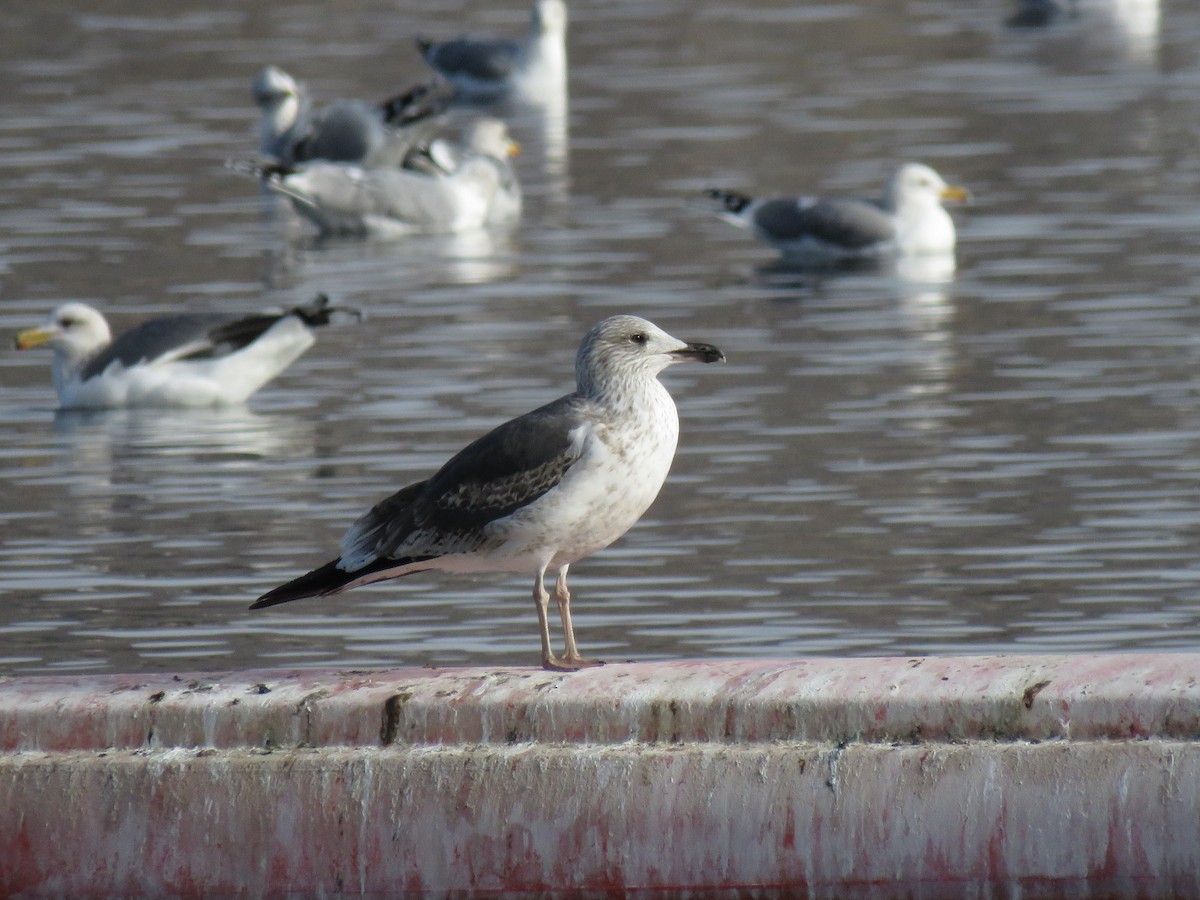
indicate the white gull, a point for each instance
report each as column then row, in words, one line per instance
column 480, row 189
column 540, row 491
column 907, row 219
column 528, row 69
column 189, row 360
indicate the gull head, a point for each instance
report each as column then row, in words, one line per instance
column 549, row 17
column 621, row 349
column 74, row 331
column 273, row 86
column 917, row 184
column 490, row 137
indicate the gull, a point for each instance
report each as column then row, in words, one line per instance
column 346, row 130
column 540, row 491
column 479, row 189
column 189, row 360
column 485, row 70
column 1038, row 13
column 908, row 219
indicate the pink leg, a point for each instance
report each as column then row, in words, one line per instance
column 571, row 658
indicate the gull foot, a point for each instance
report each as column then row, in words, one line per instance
column 569, row 663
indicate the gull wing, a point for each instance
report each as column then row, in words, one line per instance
column 851, row 224
column 502, row 472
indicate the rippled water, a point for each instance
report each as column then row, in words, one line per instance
column 1002, row 457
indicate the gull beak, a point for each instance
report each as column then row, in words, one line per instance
column 955, row 193
column 705, row 353
column 33, row 337
column 514, row 149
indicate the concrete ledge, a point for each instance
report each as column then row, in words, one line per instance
column 1044, row 776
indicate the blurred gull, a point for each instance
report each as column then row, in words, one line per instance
column 490, row 69
column 1036, row 13
column 540, row 491
column 186, row 360
column 908, row 219
column 452, row 191
column 345, row 130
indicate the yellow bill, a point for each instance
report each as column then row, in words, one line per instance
column 33, row 337
column 955, row 193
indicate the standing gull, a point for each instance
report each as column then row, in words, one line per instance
column 540, row 491
column 480, row 189
column 346, row 130
column 490, row 69
column 189, row 360
column 908, row 219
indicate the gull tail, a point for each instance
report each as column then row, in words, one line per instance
column 732, row 201
column 332, row 579
column 328, row 579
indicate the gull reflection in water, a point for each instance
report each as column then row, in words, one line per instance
column 926, row 307
column 221, row 434
column 474, row 257
column 113, row 461
column 120, row 468
column 1134, row 26
column 1113, row 33
column 541, row 126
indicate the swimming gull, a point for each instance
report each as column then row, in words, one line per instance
column 346, row 130
column 484, row 70
column 1038, row 13
column 189, row 360
column 480, row 189
column 540, row 491
column 908, row 219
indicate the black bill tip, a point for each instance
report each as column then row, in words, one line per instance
column 705, row 353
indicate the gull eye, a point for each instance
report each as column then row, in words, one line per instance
column 639, row 338
column 67, row 322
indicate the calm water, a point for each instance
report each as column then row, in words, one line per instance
column 1002, row 457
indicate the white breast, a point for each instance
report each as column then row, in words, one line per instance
column 624, row 462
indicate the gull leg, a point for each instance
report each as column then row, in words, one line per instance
column 541, row 600
column 563, row 597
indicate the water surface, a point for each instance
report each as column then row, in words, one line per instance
column 999, row 454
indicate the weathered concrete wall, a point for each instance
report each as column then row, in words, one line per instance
column 1033, row 776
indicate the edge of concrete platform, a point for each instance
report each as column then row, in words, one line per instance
column 1037, row 776
column 1005, row 698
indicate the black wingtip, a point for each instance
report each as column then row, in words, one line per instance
column 731, row 200
column 319, row 312
column 423, row 101
column 263, row 169
column 328, row 579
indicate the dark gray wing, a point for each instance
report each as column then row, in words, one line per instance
column 197, row 336
column 158, row 338
column 506, row 469
column 851, row 224
column 485, row 60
